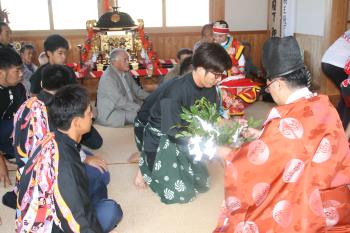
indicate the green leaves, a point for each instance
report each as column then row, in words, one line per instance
column 204, row 120
column 226, row 133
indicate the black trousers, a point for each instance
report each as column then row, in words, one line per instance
column 92, row 139
column 338, row 75
column 6, row 128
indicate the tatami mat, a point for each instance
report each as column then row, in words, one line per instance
column 118, row 143
column 143, row 211
column 7, row 215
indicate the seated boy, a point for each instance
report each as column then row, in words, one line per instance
column 56, row 48
column 12, row 95
column 32, row 123
column 53, row 189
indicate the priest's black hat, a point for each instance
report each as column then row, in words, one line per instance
column 281, row 56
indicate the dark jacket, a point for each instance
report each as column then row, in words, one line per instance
column 71, row 197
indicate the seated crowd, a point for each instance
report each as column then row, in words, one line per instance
column 59, row 186
column 292, row 176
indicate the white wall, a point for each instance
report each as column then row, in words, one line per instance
column 246, row 15
column 310, row 17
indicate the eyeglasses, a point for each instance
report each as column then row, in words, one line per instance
column 218, row 75
column 268, row 85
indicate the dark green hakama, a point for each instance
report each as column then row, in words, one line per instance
column 175, row 176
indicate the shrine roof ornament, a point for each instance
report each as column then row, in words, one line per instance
column 115, row 21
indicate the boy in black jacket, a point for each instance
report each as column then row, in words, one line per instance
column 53, row 189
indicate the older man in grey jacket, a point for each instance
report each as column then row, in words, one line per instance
column 119, row 97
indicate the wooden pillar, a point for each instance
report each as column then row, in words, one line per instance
column 216, row 10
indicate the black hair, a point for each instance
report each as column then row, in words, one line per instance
column 2, row 24
column 186, row 65
column 206, row 27
column 26, row 46
column 297, row 79
column 183, row 51
column 54, row 42
column 212, row 57
column 69, row 102
column 9, row 58
column 55, row 76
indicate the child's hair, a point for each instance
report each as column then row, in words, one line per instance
column 69, row 102
column 54, row 42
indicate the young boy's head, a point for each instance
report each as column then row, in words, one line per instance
column 209, row 62
column 211, row 57
column 10, row 67
column 55, row 77
column 183, row 53
column 70, row 110
column 207, row 33
column 56, row 48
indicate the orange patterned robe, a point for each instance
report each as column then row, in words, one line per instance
column 294, row 177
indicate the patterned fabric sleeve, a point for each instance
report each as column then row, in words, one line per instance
column 30, row 126
column 36, row 205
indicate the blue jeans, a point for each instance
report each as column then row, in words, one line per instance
column 97, row 184
column 6, row 128
column 108, row 213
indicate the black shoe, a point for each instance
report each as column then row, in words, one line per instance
column 10, row 199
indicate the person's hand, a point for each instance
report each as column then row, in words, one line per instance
column 4, row 174
column 241, row 121
column 251, row 133
column 223, row 151
column 96, row 162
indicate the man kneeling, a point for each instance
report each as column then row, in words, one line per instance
column 53, row 189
